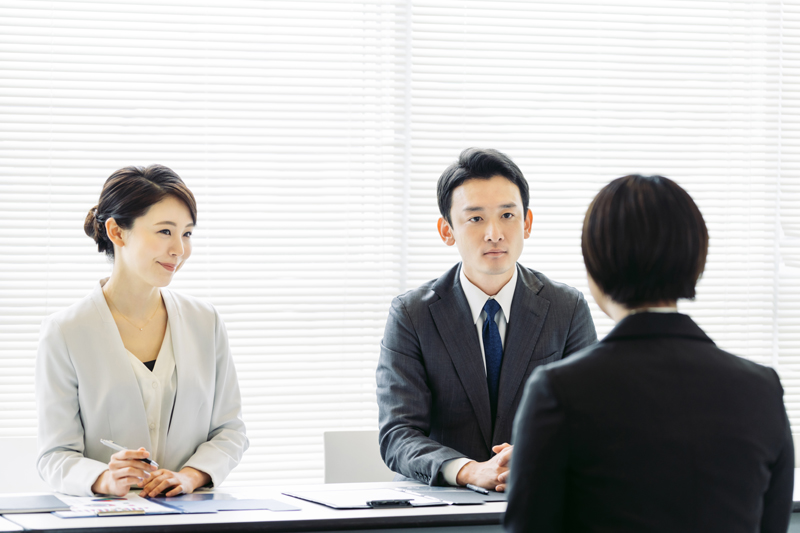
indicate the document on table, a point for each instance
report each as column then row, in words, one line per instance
column 365, row 498
column 456, row 495
column 217, row 501
column 132, row 504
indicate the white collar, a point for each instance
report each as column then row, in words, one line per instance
column 652, row 310
column 477, row 298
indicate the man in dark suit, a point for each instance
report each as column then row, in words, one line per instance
column 654, row 429
column 457, row 350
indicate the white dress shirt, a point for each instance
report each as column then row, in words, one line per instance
column 158, row 393
column 477, row 299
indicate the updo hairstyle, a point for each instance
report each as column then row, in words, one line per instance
column 644, row 241
column 127, row 194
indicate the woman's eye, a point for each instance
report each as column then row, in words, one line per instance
column 187, row 234
column 165, row 232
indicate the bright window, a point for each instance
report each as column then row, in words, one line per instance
column 312, row 134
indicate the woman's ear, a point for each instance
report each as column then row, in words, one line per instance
column 115, row 233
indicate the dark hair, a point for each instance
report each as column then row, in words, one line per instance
column 644, row 241
column 478, row 163
column 127, row 194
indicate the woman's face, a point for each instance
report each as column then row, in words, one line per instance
column 158, row 244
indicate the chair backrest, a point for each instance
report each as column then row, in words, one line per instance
column 796, row 439
column 19, row 466
column 353, row 457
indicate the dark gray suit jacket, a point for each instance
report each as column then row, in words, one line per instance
column 654, row 429
column 433, row 398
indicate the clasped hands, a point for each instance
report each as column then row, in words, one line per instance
column 126, row 469
column 492, row 474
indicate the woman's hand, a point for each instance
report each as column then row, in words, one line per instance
column 125, row 469
column 183, row 482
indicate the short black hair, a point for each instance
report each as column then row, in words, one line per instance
column 483, row 164
column 644, row 241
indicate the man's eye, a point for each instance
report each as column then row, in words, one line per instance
column 508, row 215
column 475, row 219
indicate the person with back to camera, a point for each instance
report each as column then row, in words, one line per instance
column 457, row 350
column 136, row 363
column 653, row 429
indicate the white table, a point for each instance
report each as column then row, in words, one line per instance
column 5, row 525
column 311, row 517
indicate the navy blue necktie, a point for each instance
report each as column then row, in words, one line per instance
column 493, row 349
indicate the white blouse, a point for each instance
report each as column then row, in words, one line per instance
column 158, row 393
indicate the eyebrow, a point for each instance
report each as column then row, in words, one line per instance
column 471, row 209
column 170, row 223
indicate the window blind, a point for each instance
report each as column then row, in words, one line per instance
column 282, row 118
column 579, row 93
column 313, row 133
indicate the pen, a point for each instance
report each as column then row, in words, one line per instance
column 477, row 489
column 114, row 446
column 389, row 503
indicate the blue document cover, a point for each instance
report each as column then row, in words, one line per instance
column 31, row 504
column 215, row 502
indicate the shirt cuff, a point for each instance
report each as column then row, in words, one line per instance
column 451, row 468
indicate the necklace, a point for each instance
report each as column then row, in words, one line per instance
column 129, row 320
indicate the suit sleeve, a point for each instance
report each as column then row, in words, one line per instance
column 227, row 440
column 404, row 404
column 778, row 497
column 61, row 462
column 537, row 484
column 581, row 328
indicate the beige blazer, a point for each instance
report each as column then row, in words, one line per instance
column 86, row 390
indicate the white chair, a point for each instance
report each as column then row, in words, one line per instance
column 19, row 466
column 796, row 439
column 353, row 457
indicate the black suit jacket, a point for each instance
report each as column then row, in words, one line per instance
column 433, row 399
column 654, row 429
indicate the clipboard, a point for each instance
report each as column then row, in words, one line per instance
column 365, row 498
column 456, row 495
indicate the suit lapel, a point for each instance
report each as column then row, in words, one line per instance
column 184, row 410
column 130, row 430
column 453, row 320
column 528, row 313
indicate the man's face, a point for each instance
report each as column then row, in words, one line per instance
column 488, row 227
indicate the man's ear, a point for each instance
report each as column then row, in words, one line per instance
column 445, row 232
column 114, row 232
column 528, row 223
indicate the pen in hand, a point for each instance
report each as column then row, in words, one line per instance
column 114, row 446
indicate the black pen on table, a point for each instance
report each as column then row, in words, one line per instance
column 479, row 490
column 114, row 446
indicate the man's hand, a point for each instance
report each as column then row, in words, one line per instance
column 125, row 469
column 183, row 482
column 491, row 474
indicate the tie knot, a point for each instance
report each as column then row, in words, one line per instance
column 491, row 307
